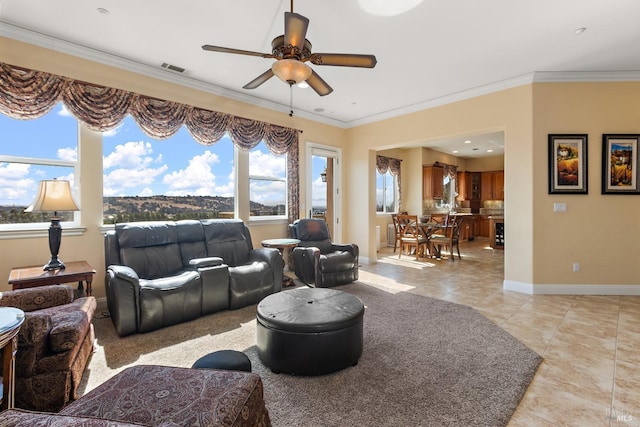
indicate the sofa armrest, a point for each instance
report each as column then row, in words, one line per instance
column 348, row 247
column 206, row 262
column 71, row 323
column 122, row 285
column 272, row 257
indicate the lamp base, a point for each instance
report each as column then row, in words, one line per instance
column 54, row 264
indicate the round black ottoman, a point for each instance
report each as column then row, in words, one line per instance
column 309, row 331
column 229, row 360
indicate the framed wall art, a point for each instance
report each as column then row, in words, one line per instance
column 568, row 164
column 620, row 164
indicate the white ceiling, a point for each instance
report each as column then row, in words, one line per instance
column 437, row 52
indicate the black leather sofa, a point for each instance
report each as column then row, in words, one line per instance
column 317, row 260
column 163, row 273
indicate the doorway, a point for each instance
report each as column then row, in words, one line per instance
column 323, row 186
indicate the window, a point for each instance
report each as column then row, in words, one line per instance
column 177, row 178
column 267, row 182
column 31, row 151
column 449, row 191
column 386, row 192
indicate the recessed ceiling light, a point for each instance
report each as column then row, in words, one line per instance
column 581, row 30
column 475, row 149
column 318, row 110
column 489, row 151
column 455, row 151
column 303, row 85
column 103, row 11
column 467, row 142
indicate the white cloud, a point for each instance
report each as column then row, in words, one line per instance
column 319, row 193
column 196, row 179
column 113, row 132
column 69, row 154
column 131, row 167
column 64, row 112
column 15, row 185
column 131, row 155
column 262, row 164
column 146, row 192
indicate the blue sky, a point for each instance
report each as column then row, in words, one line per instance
column 133, row 163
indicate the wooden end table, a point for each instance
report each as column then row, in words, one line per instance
column 75, row 271
column 11, row 319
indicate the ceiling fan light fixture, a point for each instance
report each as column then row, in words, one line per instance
column 291, row 71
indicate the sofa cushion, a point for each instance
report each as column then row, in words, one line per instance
column 227, row 240
column 191, row 240
column 150, row 249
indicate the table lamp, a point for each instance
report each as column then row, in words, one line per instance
column 54, row 196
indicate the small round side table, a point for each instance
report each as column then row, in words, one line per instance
column 11, row 319
column 283, row 245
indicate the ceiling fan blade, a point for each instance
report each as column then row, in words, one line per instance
column 319, row 85
column 295, row 29
column 237, row 51
column 259, row 80
column 344, row 60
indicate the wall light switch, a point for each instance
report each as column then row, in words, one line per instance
column 559, row 207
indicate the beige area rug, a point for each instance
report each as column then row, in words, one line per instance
column 426, row 362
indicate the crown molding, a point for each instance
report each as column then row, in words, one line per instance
column 74, row 49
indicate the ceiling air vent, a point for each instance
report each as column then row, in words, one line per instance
column 172, row 67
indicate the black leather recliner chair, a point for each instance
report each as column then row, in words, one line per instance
column 317, row 260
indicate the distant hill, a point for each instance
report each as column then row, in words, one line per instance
column 135, row 208
column 152, row 208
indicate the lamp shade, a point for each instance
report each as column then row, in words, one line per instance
column 53, row 196
column 291, row 70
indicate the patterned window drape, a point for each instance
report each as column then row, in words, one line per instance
column 384, row 164
column 29, row 94
column 452, row 171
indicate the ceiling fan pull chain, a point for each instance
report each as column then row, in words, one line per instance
column 290, row 98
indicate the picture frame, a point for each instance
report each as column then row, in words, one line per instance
column 620, row 158
column 568, row 164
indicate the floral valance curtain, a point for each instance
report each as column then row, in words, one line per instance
column 384, row 164
column 28, row 94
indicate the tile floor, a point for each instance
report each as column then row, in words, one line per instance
column 591, row 344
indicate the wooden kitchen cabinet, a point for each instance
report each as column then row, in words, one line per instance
column 482, row 226
column 492, row 185
column 468, row 186
column 432, row 182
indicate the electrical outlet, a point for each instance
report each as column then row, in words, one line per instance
column 576, row 267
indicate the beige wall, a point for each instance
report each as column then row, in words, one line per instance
column 599, row 231
column 509, row 111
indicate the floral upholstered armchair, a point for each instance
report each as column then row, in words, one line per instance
column 54, row 345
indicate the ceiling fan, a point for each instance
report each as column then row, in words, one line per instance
column 291, row 51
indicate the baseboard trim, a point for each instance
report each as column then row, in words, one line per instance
column 533, row 289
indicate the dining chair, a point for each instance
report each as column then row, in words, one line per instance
column 449, row 239
column 411, row 236
column 398, row 235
